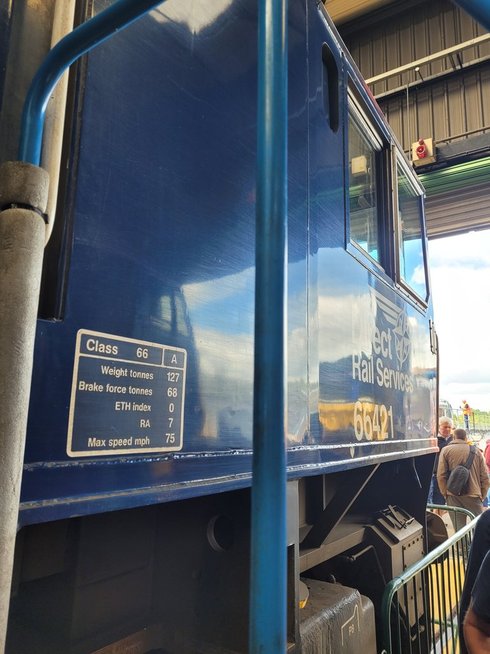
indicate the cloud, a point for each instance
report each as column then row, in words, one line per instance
column 460, row 273
column 465, row 249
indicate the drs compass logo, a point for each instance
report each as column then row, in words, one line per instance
column 398, row 319
column 385, row 364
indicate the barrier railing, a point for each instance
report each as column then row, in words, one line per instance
column 420, row 607
column 479, row 424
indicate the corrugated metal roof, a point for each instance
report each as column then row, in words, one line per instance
column 341, row 11
column 445, row 98
column 458, row 198
column 455, row 101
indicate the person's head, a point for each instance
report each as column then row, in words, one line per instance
column 445, row 426
column 459, row 434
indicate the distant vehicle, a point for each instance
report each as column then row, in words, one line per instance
column 445, row 409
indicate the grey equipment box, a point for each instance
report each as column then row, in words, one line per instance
column 336, row 619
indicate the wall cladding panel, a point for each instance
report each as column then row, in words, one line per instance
column 485, row 95
column 423, row 115
column 473, row 100
column 452, row 104
column 447, row 99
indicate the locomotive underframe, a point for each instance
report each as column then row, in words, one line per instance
column 175, row 576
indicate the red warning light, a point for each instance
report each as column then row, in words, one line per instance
column 421, row 149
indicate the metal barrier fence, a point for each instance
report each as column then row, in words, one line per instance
column 479, row 424
column 420, row 607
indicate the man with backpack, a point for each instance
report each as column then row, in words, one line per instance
column 462, row 477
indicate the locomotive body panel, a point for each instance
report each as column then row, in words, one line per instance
column 135, row 510
column 156, row 245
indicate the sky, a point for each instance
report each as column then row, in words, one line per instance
column 460, row 276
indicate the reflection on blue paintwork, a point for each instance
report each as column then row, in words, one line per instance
column 363, row 161
column 223, row 314
column 412, row 267
column 195, row 16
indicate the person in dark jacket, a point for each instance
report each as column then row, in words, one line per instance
column 486, row 456
column 477, row 620
column 443, row 438
column 479, row 550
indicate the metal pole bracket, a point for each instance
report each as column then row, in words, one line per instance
column 24, row 186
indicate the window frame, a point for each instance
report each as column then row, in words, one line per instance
column 358, row 111
column 399, row 160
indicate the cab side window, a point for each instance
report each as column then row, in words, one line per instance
column 365, row 164
column 384, row 199
column 411, row 245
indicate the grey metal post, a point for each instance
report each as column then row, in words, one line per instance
column 22, row 237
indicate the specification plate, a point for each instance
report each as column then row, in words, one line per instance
column 127, row 396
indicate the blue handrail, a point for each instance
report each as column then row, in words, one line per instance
column 268, row 553
column 84, row 38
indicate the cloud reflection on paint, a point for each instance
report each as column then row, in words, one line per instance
column 196, row 15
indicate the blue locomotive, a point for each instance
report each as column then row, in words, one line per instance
column 134, row 521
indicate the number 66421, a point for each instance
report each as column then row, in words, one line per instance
column 373, row 422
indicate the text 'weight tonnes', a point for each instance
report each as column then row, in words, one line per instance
column 127, row 396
